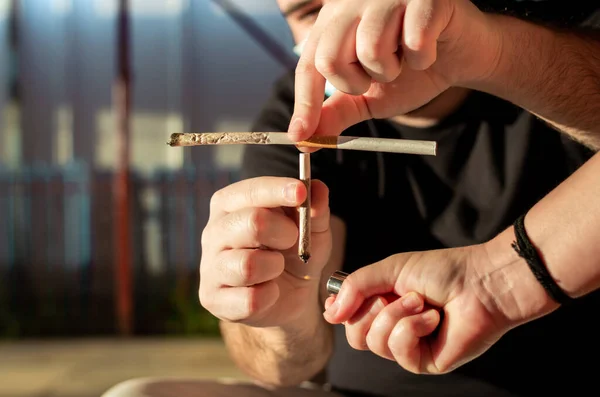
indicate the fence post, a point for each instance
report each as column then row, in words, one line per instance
column 121, row 103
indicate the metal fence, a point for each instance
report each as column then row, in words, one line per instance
column 61, row 272
column 57, row 259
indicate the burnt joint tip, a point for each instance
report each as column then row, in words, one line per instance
column 174, row 137
column 305, row 257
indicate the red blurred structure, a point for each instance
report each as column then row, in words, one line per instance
column 122, row 106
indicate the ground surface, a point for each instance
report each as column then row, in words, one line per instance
column 86, row 368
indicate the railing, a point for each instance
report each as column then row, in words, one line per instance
column 57, row 256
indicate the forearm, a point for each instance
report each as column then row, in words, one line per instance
column 553, row 74
column 565, row 229
column 281, row 355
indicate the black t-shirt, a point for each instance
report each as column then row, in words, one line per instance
column 494, row 162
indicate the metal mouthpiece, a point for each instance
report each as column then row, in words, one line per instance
column 335, row 282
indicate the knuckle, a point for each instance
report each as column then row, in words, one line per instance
column 215, row 199
column 257, row 221
column 247, row 264
column 204, row 296
column 306, row 103
column 385, row 318
column 357, row 87
column 371, row 342
column 322, row 189
column 252, row 302
column 387, row 75
column 202, row 269
column 205, row 237
column 304, row 67
column 378, row 69
column 223, row 268
column 371, row 55
column 278, row 260
column 327, row 65
column 356, row 338
column 362, row 107
column 228, row 224
column 329, row 7
column 252, row 193
column 404, row 328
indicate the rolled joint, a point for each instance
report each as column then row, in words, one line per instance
column 304, row 215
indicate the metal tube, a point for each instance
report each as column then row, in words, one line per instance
column 334, row 284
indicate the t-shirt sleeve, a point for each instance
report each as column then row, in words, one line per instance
column 283, row 160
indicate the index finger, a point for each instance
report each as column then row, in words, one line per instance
column 376, row 279
column 309, row 88
column 259, row 192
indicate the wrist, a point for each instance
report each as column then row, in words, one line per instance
column 520, row 52
column 506, row 284
column 300, row 310
column 480, row 53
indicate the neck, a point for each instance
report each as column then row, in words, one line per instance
column 434, row 111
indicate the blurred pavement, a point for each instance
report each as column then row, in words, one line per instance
column 88, row 367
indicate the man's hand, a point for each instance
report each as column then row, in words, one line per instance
column 387, row 58
column 442, row 291
column 250, row 272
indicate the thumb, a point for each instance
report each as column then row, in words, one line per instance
column 377, row 279
column 341, row 111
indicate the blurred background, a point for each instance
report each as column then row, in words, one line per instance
column 100, row 220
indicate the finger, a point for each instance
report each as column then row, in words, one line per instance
column 240, row 303
column 377, row 41
column 309, row 85
column 261, row 192
column 382, row 326
column 320, row 213
column 341, row 111
column 386, row 299
column 405, row 343
column 335, row 56
column 329, row 301
column 358, row 326
column 424, row 22
column 376, row 279
column 251, row 228
column 246, row 267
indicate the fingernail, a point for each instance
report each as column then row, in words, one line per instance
column 296, row 129
column 411, row 301
column 290, row 192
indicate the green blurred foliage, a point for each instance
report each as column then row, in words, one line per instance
column 189, row 318
column 9, row 326
column 160, row 309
